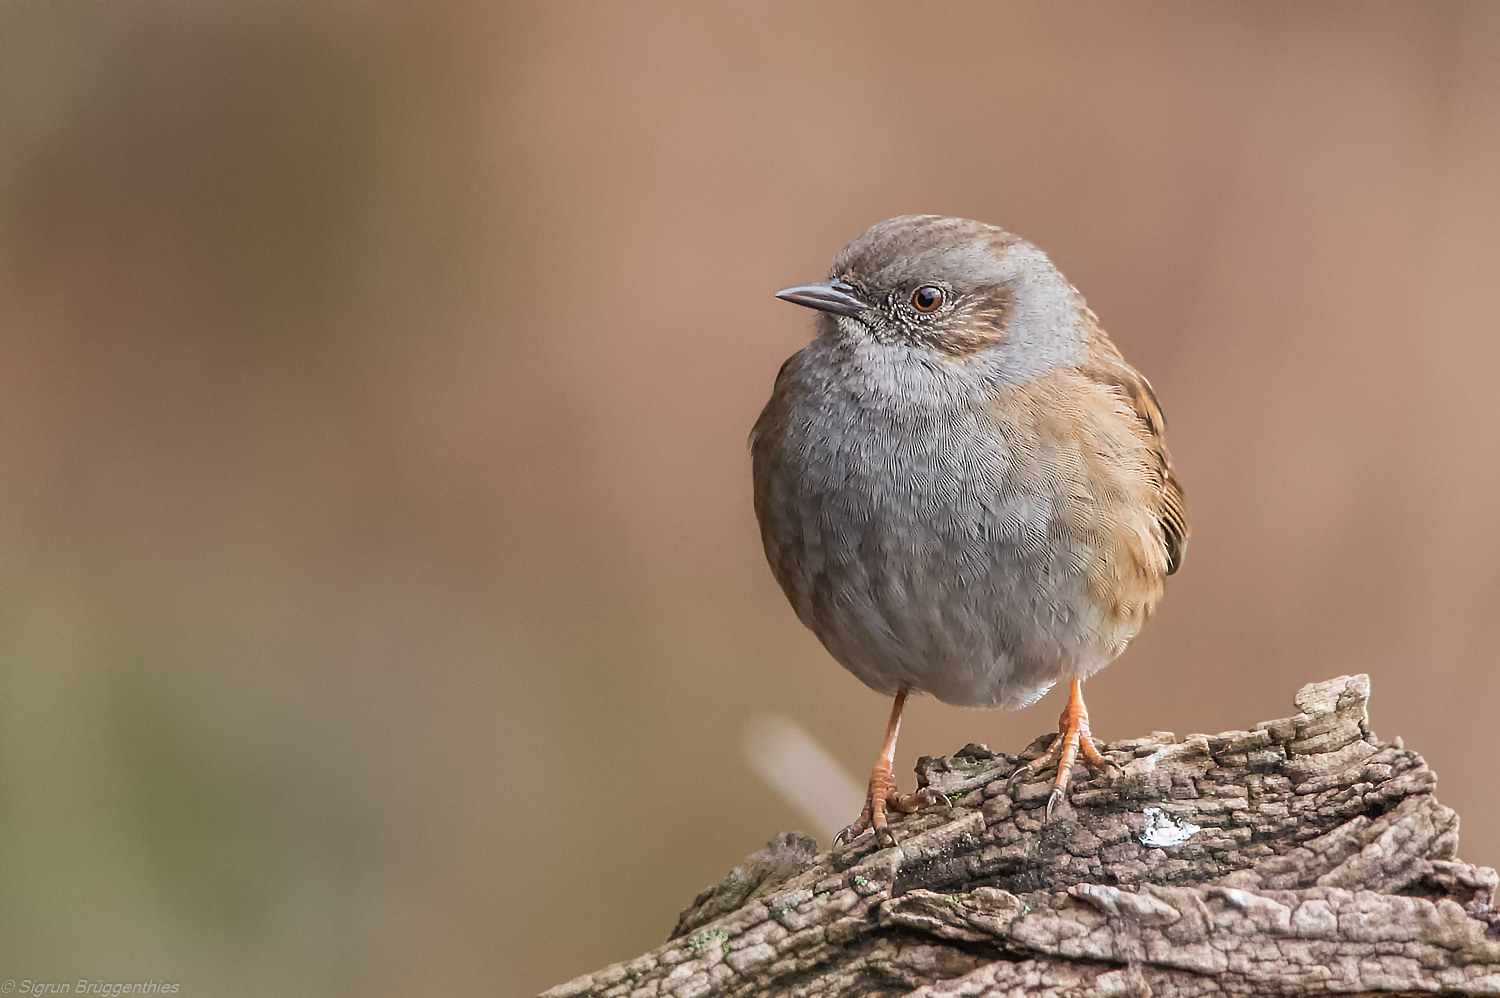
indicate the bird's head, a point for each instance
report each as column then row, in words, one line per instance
column 949, row 285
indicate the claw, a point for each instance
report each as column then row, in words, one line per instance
column 1073, row 740
column 1022, row 772
column 874, row 817
column 1052, row 801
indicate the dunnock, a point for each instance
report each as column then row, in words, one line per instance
column 962, row 487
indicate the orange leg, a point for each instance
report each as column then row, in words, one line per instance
column 883, row 797
column 1072, row 738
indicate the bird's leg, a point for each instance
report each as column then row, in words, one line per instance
column 883, row 796
column 1073, row 737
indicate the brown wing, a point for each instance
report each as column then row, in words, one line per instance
column 1111, row 369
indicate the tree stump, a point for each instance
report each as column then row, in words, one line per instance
column 1303, row 857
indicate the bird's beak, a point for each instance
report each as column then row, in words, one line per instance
column 830, row 296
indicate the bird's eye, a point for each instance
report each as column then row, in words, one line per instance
column 927, row 298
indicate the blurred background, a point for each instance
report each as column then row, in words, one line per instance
column 381, row 605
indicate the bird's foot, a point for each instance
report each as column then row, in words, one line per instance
column 1073, row 739
column 882, row 800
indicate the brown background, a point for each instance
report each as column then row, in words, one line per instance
column 381, row 607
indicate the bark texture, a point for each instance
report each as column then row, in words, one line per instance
column 1303, row 857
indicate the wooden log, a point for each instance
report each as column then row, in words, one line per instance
column 1301, row 857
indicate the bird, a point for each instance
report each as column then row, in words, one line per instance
column 962, row 487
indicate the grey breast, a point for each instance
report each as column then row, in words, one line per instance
column 913, row 549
